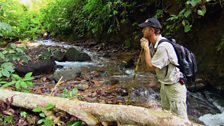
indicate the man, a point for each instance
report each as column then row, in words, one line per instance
column 162, row 60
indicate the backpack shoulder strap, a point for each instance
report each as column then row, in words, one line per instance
column 164, row 40
column 171, row 42
column 161, row 41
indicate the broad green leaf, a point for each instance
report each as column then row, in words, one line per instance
column 187, row 28
column 19, row 50
column 49, row 122
column 182, row 11
column 13, row 46
column 201, row 12
column 187, row 13
column 16, row 76
column 28, row 75
column 23, row 114
column 5, row 73
column 30, row 83
column 9, row 67
column 18, row 86
column 74, row 123
column 40, row 121
column 49, row 107
column 37, row 109
column 9, row 84
column 3, row 82
column 74, row 91
column 42, row 115
column 194, row 2
column 2, row 56
column 23, row 85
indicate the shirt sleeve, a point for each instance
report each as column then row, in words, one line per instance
column 160, row 58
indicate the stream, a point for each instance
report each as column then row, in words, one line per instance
column 203, row 106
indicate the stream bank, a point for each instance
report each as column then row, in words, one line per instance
column 118, row 77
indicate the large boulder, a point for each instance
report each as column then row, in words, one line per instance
column 73, row 54
column 58, row 55
column 41, row 62
column 39, row 67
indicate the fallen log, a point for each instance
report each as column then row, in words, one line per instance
column 94, row 113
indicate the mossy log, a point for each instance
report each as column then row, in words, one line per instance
column 95, row 113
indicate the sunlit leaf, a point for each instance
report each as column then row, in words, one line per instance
column 194, row 2
column 2, row 56
column 16, row 76
column 40, row 121
column 18, row 86
column 9, row 84
column 49, row 107
column 42, row 115
column 74, row 123
column 37, row 110
column 187, row 28
column 201, row 12
column 5, row 73
column 28, row 76
column 23, row 85
column 187, row 13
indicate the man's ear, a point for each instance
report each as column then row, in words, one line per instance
column 152, row 30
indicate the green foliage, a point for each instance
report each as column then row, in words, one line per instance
column 14, row 53
column 6, row 69
column 11, row 54
column 21, row 84
column 4, row 119
column 184, row 17
column 5, row 29
column 74, row 123
column 86, row 18
column 46, row 121
column 69, row 94
column 23, row 114
column 19, row 20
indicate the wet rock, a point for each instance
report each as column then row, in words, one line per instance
column 58, row 55
column 73, row 54
column 39, row 67
column 41, row 62
column 66, row 73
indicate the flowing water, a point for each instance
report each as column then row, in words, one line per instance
column 205, row 106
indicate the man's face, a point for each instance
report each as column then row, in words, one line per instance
column 147, row 32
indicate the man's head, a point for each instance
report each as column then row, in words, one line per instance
column 150, row 26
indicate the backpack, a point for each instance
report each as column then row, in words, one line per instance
column 186, row 60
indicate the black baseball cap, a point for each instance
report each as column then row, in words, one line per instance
column 152, row 22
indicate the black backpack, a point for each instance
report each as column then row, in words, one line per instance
column 186, row 60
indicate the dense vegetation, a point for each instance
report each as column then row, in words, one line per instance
column 115, row 20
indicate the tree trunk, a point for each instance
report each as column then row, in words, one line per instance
column 94, row 113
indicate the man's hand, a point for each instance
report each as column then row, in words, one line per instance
column 144, row 43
